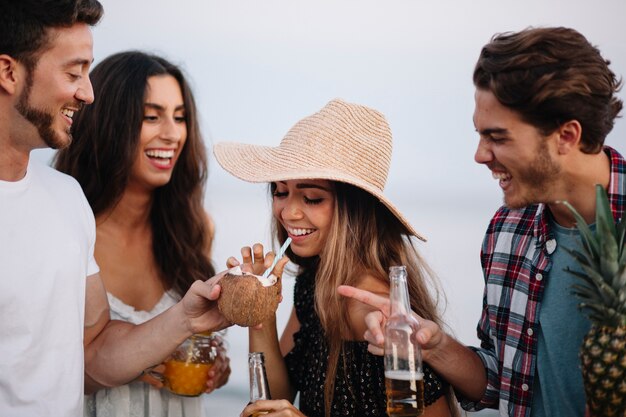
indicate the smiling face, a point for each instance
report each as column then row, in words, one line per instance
column 305, row 210
column 516, row 153
column 163, row 133
column 57, row 86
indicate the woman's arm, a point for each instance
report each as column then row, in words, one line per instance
column 265, row 340
column 210, row 229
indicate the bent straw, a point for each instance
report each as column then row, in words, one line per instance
column 279, row 255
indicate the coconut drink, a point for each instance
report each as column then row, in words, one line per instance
column 247, row 299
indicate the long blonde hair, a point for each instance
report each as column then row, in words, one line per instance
column 365, row 238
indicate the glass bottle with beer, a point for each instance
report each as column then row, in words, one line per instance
column 404, row 378
column 259, row 388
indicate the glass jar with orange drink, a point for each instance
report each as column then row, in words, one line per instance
column 187, row 370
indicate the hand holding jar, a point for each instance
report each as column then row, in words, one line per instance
column 197, row 366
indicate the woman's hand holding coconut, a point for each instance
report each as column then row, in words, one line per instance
column 249, row 298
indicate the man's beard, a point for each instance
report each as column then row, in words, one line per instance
column 537, row 179
column 40, row 119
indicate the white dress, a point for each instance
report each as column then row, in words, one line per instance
column 139, row 399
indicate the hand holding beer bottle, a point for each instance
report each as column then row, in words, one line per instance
column 260, row 398
column 259, row 388
column 276, row 407
column 429, row 335
column 404, row 378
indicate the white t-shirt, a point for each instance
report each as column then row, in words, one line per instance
column 47, row 237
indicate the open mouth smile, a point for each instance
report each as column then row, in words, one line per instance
column 68, row 114
column 299, row 232
column 162, row 158
column 504, row 178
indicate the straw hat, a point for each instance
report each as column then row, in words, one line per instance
column 342, row 142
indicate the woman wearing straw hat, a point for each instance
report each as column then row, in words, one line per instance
column 139, row 157
column 327, row 178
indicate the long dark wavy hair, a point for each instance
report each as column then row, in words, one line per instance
column 106, row 138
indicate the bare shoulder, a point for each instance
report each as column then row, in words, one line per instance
column 210, row 228
column 210, row 225
column 371, row 283
column 357, row 311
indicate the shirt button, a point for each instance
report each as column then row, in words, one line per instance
column 538, row 277
column 524, row 387
column 550, row 246
column 529, row 332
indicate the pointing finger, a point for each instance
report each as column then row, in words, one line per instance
column 366, row 297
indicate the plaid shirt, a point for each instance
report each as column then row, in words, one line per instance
column 515, row 258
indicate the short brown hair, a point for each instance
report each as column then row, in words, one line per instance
column 550, row 76
column 24, row 24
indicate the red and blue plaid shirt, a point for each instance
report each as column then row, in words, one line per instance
column 515, row 258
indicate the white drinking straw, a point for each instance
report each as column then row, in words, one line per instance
column 279, row 255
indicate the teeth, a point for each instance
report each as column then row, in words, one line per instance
column 67, row 112
column 160, row 153
column 501, row 175
column 300, row 232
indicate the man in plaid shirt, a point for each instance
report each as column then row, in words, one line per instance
column 545, row 102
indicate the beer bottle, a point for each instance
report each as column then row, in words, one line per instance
column 259, row 388
column 404, row 378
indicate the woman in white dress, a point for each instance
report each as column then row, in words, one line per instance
column 140, row 159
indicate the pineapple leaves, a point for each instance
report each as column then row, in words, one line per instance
column 604, row 214
column 620, row 282
column 602, row 258
column 597, row 284
column 590, row 244
column 621, row 240
column 601, row 314
column 605, row 226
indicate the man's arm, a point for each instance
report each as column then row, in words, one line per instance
column 117, row 352
column 454, row 362
column 457, row 364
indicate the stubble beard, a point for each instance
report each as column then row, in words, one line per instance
column 537, row 180
column 42, row 120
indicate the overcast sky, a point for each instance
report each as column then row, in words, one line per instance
column 258, row 66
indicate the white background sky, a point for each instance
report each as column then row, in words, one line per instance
column 257, row 67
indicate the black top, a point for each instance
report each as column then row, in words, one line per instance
column 359, row 393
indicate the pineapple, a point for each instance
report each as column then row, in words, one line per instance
column 602, row 291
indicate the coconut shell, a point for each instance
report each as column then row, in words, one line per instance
column 245, row 301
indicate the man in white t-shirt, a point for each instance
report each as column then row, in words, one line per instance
column 52, row 301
